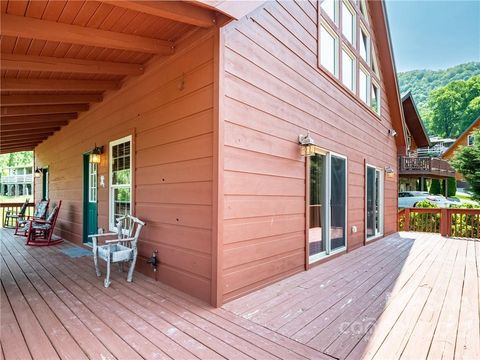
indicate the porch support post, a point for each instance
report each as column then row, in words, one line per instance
column 421, row 184
column 445, row 186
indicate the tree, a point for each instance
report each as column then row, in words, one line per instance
column 16, row 159
column 451, row 186
column 435, row 187
column 466, row 161
column 454, row 107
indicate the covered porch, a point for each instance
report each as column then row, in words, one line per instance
column 410, row 295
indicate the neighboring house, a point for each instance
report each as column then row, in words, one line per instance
column 467, row 138
column 419, row 165
column 204, row 143
column 16, row 181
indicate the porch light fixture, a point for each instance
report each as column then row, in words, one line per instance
column 307, row 145
column 389, row 171
column 38, row 172
column 95, row 154
column 392, row 132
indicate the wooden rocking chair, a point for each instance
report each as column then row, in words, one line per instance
column 120, row 250
column 40, row 232
column 21, row 228
column 10, row 216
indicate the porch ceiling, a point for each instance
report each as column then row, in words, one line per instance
column 59, row 57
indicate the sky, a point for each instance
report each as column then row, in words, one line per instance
column 434, row 34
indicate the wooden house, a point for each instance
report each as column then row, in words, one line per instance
column 196, row 110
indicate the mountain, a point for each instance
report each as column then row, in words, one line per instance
column 421, row 82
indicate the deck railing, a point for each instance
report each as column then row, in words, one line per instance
column 425, row 165
column 452, row 222
column 13, row 208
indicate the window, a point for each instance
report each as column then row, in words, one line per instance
column 363, row 86
column 328, row 49
column 329, row 7
column 92, row 183
column 348, row 23
column 363, row 9
column 120, row 179
column 470, row 140
column 348, row 70
column 374, row 62
column 375, row 98
column 374, row 202
column 365, row 45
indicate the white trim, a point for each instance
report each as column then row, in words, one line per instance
column 381, row 206
column 373, row 84
column 336, row 52
column 352, row 12
column 111, row 224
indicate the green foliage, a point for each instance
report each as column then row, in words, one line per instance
column 16, row 159
column 454, row 107
column 435, row 187
column 466, row 161
column 451, row 187
column 426, row 204
column 422, row 82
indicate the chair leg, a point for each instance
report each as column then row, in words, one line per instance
column 107, row 277
column 95, row 261
column 132, row 266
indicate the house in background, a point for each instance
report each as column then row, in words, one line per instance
column 467, row 138
column 16, row 181
column 419, row 165
column 199, row 113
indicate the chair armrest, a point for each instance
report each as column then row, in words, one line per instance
column 39, row 221
column 101, row 235
column 118, row 240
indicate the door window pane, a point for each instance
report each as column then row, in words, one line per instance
column 374, row 202
column 338, row 204
column 348, row 23
column 317, row 204
column 92, row 184
column 348, row 70
column 328, row 50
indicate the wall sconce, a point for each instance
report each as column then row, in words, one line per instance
column 307, row 145
column 38, row 172
column 389, row 171
column 392, row 132
column 95, row 154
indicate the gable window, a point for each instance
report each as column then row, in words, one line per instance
column 348, row 70
column 363, row 9
column 365, row 45
column 348, row 22
column 328, row 49
column 329, row 7
column 470, row 139
column 375, row 98
column 363, row 86
column 120, row 176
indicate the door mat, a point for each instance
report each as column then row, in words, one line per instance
column 75, row 252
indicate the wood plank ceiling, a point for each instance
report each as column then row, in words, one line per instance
column 59, row 57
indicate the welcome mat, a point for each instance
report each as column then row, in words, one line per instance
column 75, row 252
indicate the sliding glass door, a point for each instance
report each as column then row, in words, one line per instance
column 327, row 205
column 374, row 202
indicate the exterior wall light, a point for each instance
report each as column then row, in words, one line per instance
column 307, row 145
column 392, row 132
column 95, row 155
column 389, row 171
column 38, row 172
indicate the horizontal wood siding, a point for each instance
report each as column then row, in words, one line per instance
column 274, row 91
column 169, row 112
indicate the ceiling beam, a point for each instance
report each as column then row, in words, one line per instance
column 42, row 109
column 16, row 149
column 64, row 65
column 9, row 84
column 20, row 141
column 31, row 126
column 37, row 118
column 24, row 27
column 25, row 136
column 32, row 99
column 29, row 131
column 173, row 10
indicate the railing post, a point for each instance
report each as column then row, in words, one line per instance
column 406, row 226
column 445, row 228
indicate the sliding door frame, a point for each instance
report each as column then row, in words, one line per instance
column 381, row 205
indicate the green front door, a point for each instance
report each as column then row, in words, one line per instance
column 90, row 190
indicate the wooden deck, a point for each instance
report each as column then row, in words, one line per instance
column 410, row 296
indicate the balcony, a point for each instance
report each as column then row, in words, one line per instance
column 425, row 166
column 17, row 179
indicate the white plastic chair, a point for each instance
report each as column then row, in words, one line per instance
column 121, row 249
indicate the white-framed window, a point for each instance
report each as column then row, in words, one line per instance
column 92, row 183
column 330, row 8
column 120, row 179
column 363, row 9
column 348, row 70
column 328, row 49
column 374, row 191
column 364, row 86
column 374, row 62
column 348, row 22
column 364, row 45
column 375, row 98
column 470, row 139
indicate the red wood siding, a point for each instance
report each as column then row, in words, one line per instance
column 274, row 91
column 172, row 128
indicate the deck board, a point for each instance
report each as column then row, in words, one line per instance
column 407, row 296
